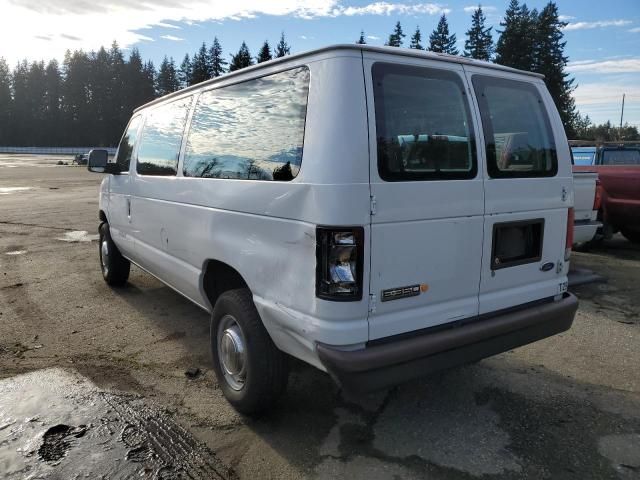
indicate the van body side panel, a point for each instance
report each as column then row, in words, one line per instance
column 425, row 233
column 266, row 230
column 520, row 199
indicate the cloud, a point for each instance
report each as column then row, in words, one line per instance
column 599, row 24
column 566, row 18
column 168, row 25
column 601, row 100
column 172, row 38
column 98, row 23
column 372, row 37
column 627, row 65
column 387, row 8
column 485, row 8
column 635, row 30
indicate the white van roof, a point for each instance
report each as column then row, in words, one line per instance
column 406, row 52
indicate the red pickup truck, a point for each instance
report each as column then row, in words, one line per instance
column 618, row 168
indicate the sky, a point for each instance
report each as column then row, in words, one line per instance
column 603, row 37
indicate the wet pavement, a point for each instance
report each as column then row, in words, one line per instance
column 56, row 424
column 567, row 407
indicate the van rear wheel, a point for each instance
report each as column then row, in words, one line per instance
column 250, row 369
column 115, row 268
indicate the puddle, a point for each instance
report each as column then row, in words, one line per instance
column 57, row 424
column 8, row 190
column 16, row 252
column 78, row 236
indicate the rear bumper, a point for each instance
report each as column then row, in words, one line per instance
column 387, row 364
column 585, row 231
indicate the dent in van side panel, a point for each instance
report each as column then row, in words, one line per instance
column 276, row 257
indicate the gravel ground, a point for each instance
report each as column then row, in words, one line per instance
column 565, row 407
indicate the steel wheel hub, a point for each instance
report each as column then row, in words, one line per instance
column 231, row 352
column 104, row 256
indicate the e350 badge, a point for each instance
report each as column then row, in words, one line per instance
column 403, row 292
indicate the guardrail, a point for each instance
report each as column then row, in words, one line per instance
column 53, row 150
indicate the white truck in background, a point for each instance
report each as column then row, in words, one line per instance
column 587, row 198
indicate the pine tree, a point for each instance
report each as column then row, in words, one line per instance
column 148, row 81
column 53, row 86
column 282, row 48
column 241, row 59
column 76, row 109
column 416, row 40
column 361, row 40
column 216, row 62
column 515, row 46
column 264, row 55
column 395, row 39
column 117, row 116
column 100, row 88
column 184, row 74
column 6, row 102
column 139, row 81
column 479, row 42
column 440, row 41
column 549, row 59
column 200, row 66
column 167, row 79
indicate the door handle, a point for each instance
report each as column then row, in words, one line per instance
column 129, row 207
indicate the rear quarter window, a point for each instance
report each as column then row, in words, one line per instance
column 423, row 124
column 253, row 130
column 517, row 132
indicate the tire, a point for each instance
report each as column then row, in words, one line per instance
column 115, row 268
column 632, row 235
column 253, row 381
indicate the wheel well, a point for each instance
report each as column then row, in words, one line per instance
column 102, row 216
column 218, row 278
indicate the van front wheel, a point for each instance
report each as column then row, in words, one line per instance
column 115, row 268
column 251, row 371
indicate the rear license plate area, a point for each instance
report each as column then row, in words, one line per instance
column 517, row 243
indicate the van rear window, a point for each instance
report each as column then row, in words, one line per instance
column 423, row 124
column 517, row 132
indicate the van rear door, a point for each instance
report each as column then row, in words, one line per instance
column 427, row 195
column 528, row 190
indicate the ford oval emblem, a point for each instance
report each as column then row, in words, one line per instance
column 547, row 266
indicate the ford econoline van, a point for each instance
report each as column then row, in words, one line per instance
column 379, row 213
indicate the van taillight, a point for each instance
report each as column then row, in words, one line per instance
column 597, row 199
column 339, row 263
column 569, row 242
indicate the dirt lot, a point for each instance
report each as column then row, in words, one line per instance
column 566, row 407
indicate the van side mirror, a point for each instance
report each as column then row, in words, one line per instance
column 97, row 161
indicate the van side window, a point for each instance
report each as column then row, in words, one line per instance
column 518, row 137
column 250, row 130
column 161, row 138
column 423, row 124
column 125, row 149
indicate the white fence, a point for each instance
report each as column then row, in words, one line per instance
column 53, row 150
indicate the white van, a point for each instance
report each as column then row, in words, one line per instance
column 379, row 213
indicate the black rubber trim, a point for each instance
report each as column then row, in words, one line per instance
column 389, row 364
